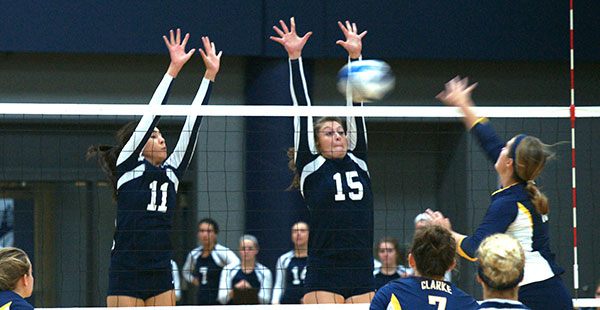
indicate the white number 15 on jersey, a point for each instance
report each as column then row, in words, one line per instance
column 355, row 185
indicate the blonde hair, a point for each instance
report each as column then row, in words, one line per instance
column 531, row 155
column 14, row 264
column 501, row 262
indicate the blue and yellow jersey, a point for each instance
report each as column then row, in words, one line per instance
column 499, row 304
column 511, row 212
column 421, row 293
column 10, row 300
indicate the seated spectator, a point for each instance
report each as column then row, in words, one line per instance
column 204, row 264
column 389, row 267
column 501, row 265
column 597, row 296
column 246, row 282
column 291, row 269
column 433, row 252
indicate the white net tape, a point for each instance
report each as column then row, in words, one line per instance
column 246, row 110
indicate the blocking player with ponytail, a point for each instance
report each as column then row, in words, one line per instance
column 518, row 209
column 145, row 182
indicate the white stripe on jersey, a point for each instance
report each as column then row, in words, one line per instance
column 536, row 266
column 144, row 125
column 361, row 163
column 173, row 177
column 309, row 169
column 181, row 148
column 131, row 174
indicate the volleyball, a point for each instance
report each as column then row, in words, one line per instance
column 368, row 80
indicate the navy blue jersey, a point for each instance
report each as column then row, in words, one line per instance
column 208, row 274
column 290, row 272
column 146, row 193
column 260, row 278
column 499, row 304
column 10, row 300
column 421, row 293
column 207, row 270
column 512, row 212
column 383, row 279
column 337, row 191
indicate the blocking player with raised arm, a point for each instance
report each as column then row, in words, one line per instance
column 332, row 174
column 145, row 183
column 290, row 270
column 204, row 264
column 432, row 254
column 518, row 209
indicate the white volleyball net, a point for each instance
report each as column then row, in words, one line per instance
column 58, row 205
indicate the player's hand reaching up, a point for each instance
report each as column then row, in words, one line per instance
column 177, row 51
column 292, row 43
column 212, row 60
column 437, row 218
column 353, row 42
column 457, row 92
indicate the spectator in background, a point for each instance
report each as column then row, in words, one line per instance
column 291, row 269
column 204, row 264
column 16, row 279
column 246, row 282
column 597, row 296
column 389, row 267
column 421, row 220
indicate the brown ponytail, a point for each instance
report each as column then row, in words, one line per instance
column 531, row 155
column 292, row 166
column 14, row 264
column 108, row 154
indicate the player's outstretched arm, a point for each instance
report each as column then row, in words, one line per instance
column 292, row 43
column 353, row 42
column 177, row 51
column 457, row 93
column 212, row 60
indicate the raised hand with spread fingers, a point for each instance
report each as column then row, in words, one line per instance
column 212, row 60
column 292, row 43
column 353, row 42
column 177, row 51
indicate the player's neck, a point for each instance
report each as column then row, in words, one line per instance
column 507, row 180
column 248, row 265
column 512, row 294
column 301, row 251
column 389, row 270
column 207, row 249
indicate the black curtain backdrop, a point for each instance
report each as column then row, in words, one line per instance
column 270, row 210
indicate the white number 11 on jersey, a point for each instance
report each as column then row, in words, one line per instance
column 163, row 201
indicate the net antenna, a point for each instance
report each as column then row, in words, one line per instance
column 572, row 113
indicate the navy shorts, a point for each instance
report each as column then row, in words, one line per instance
column 342, row 280
column 139, row 284
column 548, row 295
